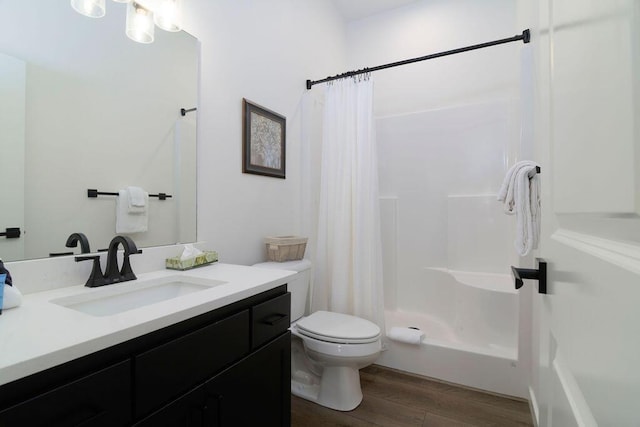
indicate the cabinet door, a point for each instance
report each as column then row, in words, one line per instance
column 255, row 391
column 186, row 411
column 167, row 371
column 100, row 399
column 270, row 319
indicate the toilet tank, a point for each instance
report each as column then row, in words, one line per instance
column 297, row 285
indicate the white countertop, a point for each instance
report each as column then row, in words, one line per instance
column 40, row 334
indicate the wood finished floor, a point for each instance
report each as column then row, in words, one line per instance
column 393, row 398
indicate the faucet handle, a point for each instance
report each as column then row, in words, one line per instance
column 86, row 257
column 96, row 278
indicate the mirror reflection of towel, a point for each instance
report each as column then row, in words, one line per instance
column 130, row 222
column 137, row 200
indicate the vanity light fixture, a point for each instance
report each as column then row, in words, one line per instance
column 168, row 15
column 140, row 26
column 90, row 8
column 141, row 16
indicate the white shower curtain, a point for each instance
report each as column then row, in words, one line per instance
column 348, row 274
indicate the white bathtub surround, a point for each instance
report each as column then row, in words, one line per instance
column 470, row 321
column 348, row 277
column 520, row 193
column 479, row 235
column 452, row 361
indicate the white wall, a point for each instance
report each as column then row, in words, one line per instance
column 431, row 26
column 262, row 51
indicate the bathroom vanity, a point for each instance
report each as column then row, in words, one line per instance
column 216, row 357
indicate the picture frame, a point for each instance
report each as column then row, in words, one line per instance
column 263, row 141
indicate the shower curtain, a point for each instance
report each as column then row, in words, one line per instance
column 348, row 274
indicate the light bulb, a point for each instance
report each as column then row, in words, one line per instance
column 90, row 8
column 168, row 15
column 140, row 26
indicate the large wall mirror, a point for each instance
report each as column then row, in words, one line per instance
column 84, row 107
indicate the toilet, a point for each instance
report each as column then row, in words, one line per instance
column 327, row 349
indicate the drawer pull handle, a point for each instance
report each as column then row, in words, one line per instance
column 275, row 319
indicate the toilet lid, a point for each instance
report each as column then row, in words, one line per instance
column 338, row 328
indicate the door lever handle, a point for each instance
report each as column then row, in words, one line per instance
column 539, row 274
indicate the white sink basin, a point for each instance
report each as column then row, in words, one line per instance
column 113, row 299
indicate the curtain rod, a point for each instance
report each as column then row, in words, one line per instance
column 525, row 37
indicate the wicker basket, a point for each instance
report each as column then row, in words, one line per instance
column 285, row 248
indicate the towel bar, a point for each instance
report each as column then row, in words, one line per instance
column 11, row 233
column 95, row 193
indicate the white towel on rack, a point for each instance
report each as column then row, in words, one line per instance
column 137, row 200
column 130, row 222
column 520, row 193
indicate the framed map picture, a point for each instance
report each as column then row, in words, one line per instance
column 263, row 141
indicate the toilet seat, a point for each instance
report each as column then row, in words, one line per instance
column 338, row 328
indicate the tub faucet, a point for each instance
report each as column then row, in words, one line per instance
column 73, row 239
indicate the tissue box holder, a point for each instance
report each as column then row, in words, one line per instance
column 205, row 258
column 285, row 248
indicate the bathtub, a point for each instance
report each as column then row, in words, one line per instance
column 471, row 332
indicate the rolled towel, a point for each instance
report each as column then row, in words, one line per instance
column 406, row 335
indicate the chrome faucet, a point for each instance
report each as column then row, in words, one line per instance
column 112, row 274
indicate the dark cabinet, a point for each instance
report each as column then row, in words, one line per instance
column 253, row 391
column 270, row 319
column 188, row 410
column 100, row 399
column 228, row 367
column 247, row 394
column 169, row 370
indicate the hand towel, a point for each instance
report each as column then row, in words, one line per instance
column 129, row 222
column 406, row 335
column 137, row 199
column 520, row 193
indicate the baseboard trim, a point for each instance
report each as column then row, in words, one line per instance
column 533, row 406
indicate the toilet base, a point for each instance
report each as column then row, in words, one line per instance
column 339, row 388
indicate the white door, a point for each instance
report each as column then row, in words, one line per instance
column 587, row 124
